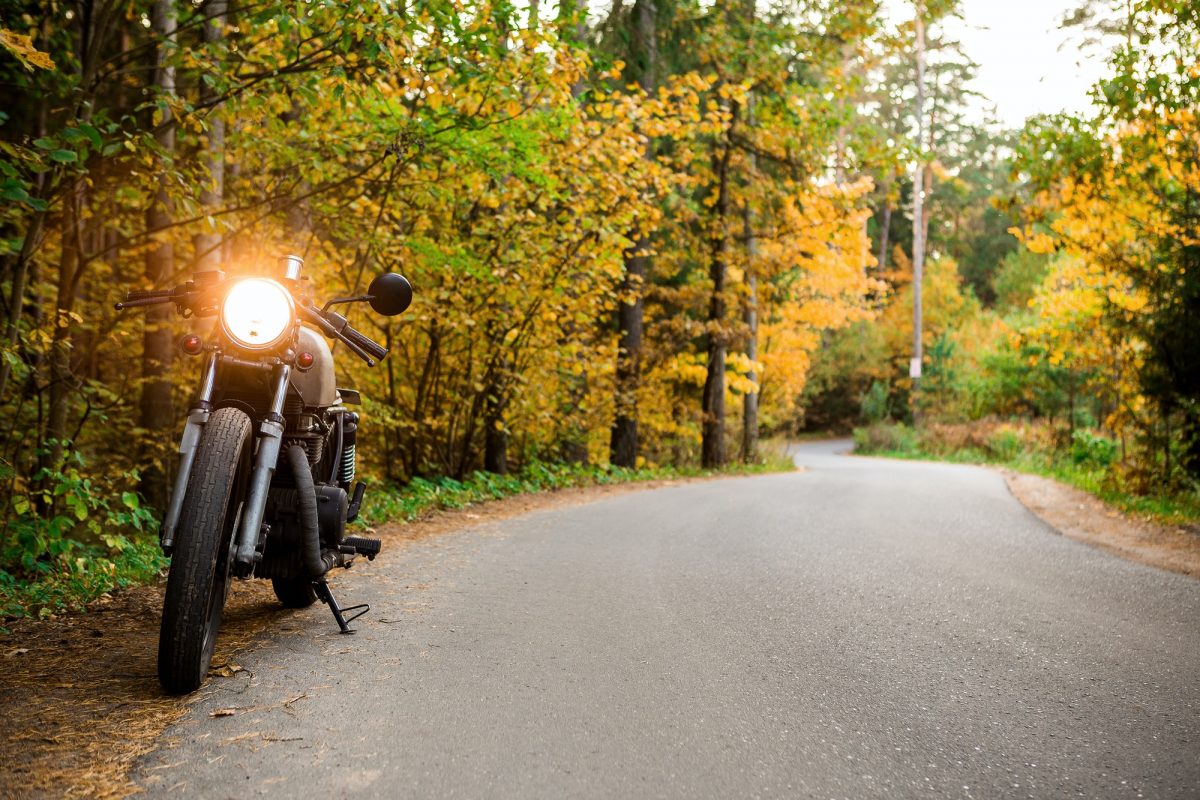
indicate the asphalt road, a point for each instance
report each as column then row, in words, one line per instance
column 865, row 628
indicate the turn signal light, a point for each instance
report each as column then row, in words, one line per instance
column 305, row 360
column 192, row 344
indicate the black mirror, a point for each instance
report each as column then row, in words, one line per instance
column 391, row 293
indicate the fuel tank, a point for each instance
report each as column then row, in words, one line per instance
column 317, row 386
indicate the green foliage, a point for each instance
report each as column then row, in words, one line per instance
column 1089, row 462
column 876, row 403
column 1089, row 449
column 420, row 496
column 1018, row 277
column 97, row 541
column 892, row 439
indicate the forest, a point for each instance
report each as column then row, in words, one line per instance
column 646, row 235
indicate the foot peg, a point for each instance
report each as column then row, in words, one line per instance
column 321, row 587
column 361, row 545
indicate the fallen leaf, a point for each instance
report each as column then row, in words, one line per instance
column 226, row 670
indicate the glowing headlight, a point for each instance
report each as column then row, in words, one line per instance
column 256, row 313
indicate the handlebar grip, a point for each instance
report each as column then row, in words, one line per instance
column 372, row 348
column 134, row 302
column 142, row 294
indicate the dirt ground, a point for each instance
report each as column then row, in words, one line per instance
column 1078, row 515
column 80, row 701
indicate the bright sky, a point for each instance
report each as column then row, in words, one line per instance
column 1024, row 69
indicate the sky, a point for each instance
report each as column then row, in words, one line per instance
column 1024, row 69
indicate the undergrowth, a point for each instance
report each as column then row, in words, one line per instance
column 1086, row 460
column 420, row 496
column 70, row 538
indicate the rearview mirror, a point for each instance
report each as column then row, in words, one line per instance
column 391, row 293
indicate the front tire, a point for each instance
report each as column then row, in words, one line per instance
column 198, row 582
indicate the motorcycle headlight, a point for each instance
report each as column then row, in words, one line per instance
column 257, row 313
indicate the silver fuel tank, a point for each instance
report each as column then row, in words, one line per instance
column 317, row 386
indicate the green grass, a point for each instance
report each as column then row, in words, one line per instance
column 420, row 496
column 899, row 441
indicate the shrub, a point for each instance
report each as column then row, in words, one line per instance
column 874, row 403
column 1092, row 450
column 898, row 439
column 72, row 539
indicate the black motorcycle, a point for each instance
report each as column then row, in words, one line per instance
column 267, row 398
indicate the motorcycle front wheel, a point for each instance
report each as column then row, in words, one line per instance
column 198, row 582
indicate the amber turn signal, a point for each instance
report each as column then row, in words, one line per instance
column 192, row 344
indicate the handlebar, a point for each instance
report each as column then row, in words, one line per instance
column 335, row 326
column 364, row 343
column 332, row 324
column 134, row 302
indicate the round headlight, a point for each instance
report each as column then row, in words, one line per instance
column 257, row 313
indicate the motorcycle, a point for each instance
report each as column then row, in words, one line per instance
column 267, row 399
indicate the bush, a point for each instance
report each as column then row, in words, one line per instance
column 874, row 403
column 72, row 539
column 898, row 439
column 1092, row 450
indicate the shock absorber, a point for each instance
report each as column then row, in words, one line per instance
column 349, row 439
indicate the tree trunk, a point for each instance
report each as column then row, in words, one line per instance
column 16, row 306
column 750, row 318
column 623, row 445
column 885, row 231
column 62, row 380
column 712, row 434
column 157, row 411
column 209, row 254
column 495, row 436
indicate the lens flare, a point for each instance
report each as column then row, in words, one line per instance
column 256, row 313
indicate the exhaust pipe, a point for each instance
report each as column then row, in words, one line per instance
column 316, row 564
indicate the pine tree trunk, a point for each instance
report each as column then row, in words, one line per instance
column 623, row 445
column 157, row 411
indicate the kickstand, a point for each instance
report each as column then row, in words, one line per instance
column 321, row 587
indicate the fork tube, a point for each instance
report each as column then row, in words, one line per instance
column 197, row 418
column 270, row 439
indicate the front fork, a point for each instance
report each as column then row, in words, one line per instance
column 188, row 443
column 270, row 439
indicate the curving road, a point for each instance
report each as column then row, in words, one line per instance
column 864, row 628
